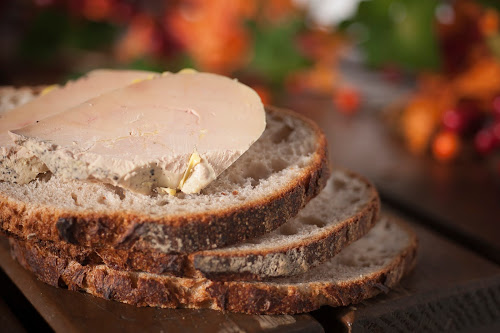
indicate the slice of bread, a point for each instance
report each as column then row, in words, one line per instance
column 362, row 270
column 263, row 189
column 343, row 212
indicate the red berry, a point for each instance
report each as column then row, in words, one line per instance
column 484, row 141
column 464, row 118
column 496, row 107
column 392, row 73
column 454, row 120
column 347, row 100
column 495, row 129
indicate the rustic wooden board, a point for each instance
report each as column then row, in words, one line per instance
column 68, row 311
column 8, row 321
column 460, row 200
column 451, row 289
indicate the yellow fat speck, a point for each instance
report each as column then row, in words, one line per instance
column 136, row 81
column 194, row 160
column 152, row 76
column 48, row 89
column 188, row 71
column 203, row 132
column 166, row 190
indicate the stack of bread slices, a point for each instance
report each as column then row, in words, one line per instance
column 277, row 232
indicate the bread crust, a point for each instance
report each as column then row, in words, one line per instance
column 183, row 233
column 265, row 297
column 249, row 264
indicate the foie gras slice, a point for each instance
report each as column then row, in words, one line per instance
column 19, row 165
column 175, row 132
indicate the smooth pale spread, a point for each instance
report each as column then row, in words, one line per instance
column 19, row 165
column 174, row 132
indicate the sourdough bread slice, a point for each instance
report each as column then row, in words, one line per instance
column 343, row 212
column 263, row 189
column 362, row 270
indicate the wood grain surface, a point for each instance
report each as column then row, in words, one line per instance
column 451, row 289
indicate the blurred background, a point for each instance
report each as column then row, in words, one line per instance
column 439, row 59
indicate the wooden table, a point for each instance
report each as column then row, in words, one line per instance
column 455, row 286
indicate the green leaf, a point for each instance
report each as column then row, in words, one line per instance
column 275, row 52
column 90, row 35
column 490, row 3
column 398, row 32
column 44, row 36
column 51, row 31
column 494, row 45
column 146, row 64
